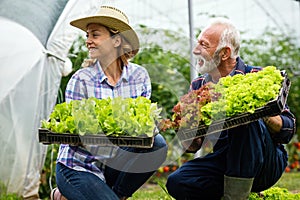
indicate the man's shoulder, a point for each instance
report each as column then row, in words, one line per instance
column 252, row 69
column 243, row 68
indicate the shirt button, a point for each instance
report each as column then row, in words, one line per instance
column 115, row 93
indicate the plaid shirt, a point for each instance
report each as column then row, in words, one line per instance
column 92, row 82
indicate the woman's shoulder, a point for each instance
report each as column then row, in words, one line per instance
column 136, row 71
column 90, row 70
column 133, row 67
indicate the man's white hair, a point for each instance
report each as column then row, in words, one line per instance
column 230, row 36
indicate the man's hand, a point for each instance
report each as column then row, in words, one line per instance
column 274, row 124
column 192, row 146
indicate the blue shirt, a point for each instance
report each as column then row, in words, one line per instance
column 92, row 82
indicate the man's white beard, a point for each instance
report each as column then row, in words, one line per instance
column 207, row 66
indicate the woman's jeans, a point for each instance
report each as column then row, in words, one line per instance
column 124, row 174
column 247, row 152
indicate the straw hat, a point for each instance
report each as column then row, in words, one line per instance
column 112, row 18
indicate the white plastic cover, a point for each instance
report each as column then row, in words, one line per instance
column 30, row 75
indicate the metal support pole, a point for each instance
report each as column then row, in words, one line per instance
column 193, row 72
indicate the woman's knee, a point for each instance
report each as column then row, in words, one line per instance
column 159, row 142
column 160, row 148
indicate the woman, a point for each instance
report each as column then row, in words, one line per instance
column 81, row 174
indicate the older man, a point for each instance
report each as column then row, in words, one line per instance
column 244, row 159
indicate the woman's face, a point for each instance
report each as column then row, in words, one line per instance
column 99, row 42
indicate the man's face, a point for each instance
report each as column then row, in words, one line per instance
column 206, row 52
column 207, row 64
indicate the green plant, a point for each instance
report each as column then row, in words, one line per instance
column 7, row 196
column 48, row 172
column 275, row 193
column 111, row 116
column 282, row 51
column 77, row 53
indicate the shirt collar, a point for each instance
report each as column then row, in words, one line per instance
column 125, row 74
column 100, row 73
column 103, row 77
column 240, row 67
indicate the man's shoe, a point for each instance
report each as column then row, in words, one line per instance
column 236, row 188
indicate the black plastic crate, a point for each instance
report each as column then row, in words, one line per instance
column 272, row 108
column 48, row 137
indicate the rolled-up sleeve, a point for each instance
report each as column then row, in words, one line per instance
column 288, row 128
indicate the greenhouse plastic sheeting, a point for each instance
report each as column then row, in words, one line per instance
column 30, row 73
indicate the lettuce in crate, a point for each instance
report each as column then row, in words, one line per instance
column 231, row 96
column 114, row 117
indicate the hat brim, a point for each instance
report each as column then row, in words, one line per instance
column 113, row 23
